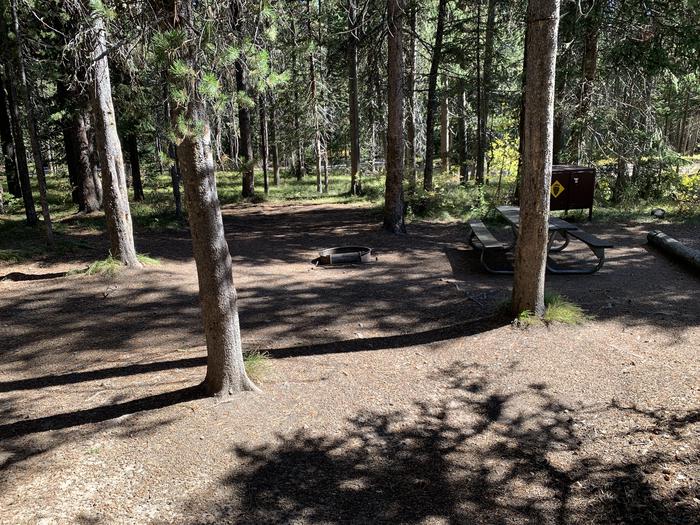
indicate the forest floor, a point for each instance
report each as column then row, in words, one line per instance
column 395, row 393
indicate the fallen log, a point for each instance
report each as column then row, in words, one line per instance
column 673, row 247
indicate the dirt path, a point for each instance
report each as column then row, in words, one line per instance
column 386, row 401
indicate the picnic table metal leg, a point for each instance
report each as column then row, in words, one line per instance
column 598, row 252
column 554, row 249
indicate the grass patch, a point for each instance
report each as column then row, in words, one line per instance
column 558, row 309
column 561, row 310
column 257, row 364
column 108, row 267
column 13, row 256
column 147, row 260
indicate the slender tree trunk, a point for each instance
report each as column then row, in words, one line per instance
column 410, row 57
column 17, row 134
column 263, row 141
column 486, row 87
column 462, row 150
column 589, row 71
column 521, row 122
column 353, row 106
column 246, row 138
column 116, row 201
column 314, row 104
column 94, row 156
column 8, row 147
column 31, row 125
column 225, row 367
column 90, row 198
column 432, row 97
column 393, row 195
column 134, row 162
column 444, row 128
column 274, row 148
column 531, row 247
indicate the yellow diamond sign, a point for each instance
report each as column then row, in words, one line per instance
column 556, row 189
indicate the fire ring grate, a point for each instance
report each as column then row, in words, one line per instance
column 344, row 255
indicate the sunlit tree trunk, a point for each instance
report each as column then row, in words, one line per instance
column 262, row 107
column 225, row 367
column 116, row 201
column 353, row 105
column 531, row 247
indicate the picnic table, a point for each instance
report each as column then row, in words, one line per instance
column 481, row 239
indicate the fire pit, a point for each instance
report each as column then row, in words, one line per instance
column 344, row 255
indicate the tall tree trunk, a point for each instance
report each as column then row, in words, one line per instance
column 589, row 70
column 521, row 122
column 432, row 97
column 8, row 147
column 90, row 193
column 274, row 147
column 531, row 247
column 353, row 105
column 393, row 195
column 116, row 201
column 244, row 125
column 444, row 128
column 17, row 134
column 31, row 125
column 225, row 367
column 134, row 162
column 486, row 87
column 314, row 104
column 246, row 139
column 410, row 95
column 462, row 151
column 263, row 141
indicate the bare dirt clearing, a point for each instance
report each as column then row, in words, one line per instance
column 387, row 400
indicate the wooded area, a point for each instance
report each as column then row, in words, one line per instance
column 180, row 178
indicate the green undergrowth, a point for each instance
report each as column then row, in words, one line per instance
column 558, row 310
column 109, row 267
column 257, row 365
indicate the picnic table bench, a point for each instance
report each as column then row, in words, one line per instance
column 482, row 240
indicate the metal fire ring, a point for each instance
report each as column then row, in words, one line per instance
column 344, row 255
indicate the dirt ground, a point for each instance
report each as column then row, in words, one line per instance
column 394, row 394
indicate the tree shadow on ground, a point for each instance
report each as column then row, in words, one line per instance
column 477, row 455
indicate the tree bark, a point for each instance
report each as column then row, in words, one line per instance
column 263, row 141
column 8, row 147
column 486, row 87
column 31, row 125
column 462, row 151
column 116, row 201
column 134, row 162
column 89, row 191
column 589, row 70
column 393, row 195
column 444, row 128
column 274, row 148
column 245, row 144
column 314, row 104
column 17, row 134
column 225, row 367
column 410, row 57
column 531, row 247
column 432, row 102
column 353, row 105
column 625, row 171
